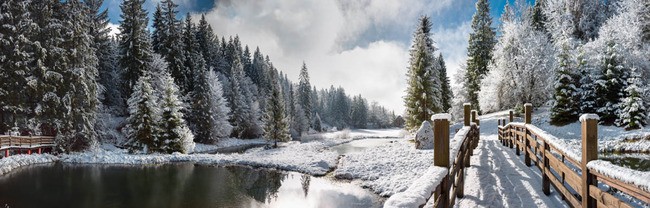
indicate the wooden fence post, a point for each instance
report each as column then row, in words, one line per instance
column 546, row 182
column 511, row 119
column 589, row 124
column 467, row 113
column 467, row 108
column 441, row 154
column 528, row 108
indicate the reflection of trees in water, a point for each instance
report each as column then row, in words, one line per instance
column 304, row 181
column 262, row 185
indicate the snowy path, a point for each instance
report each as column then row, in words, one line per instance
column 497, row 178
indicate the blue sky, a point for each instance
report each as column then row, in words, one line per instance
column 361, row 45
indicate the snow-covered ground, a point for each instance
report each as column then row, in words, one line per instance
column 13, row 162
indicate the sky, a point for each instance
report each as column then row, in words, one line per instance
column 361, row 45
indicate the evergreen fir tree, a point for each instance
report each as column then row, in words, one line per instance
column 644, row 16
column 174, row 134
column 317, row 123
column 359, row 112
column 565, row 109
column 135, row 45
column 210, row 119
column 142, row 124
column 479, row 52
column 194, row 62
column 633, row 113
column 207, row 42
column 276, row 126
column 158, row 36
column 610, row 84
column 15, row 25
column 243, row 125
column 422, row 97
column 539, row 19
column 587, row 91
column 304, row 92
column 80, row 101
column 168, row 41
column 445, row 87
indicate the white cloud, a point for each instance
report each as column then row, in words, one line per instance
column 452, row 43
column 325, row 34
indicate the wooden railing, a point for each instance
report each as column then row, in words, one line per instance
column 28, row 143
column 564, row 169
column 452, row 185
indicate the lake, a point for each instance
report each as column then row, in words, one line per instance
column 174, row 185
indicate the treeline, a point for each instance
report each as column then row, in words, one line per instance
column 576, row 56
column 176, row 84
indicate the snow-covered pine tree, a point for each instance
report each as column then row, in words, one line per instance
column 445, row 88
column 210, row 113
column 538, row 17
column 194, row 62
column 422, row 93
column 276, row 126
column 171, row 43
column 15, row 25
column 80, row 101
column 610, row 84
column 258, row 72
column 299, row 122
column 633, row 113
column 243, row 126
column 644, row 16
column 587, row 92
column 479, row 52
column 142, row 130
column 174, row 135
column 359, row 112
column 304, row 93
column 317, row 124
column 208, row 44
column 135, row 45
column 158, row 35
column 565, row 108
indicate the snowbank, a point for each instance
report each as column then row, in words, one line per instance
column 307, row 158
column 229, row 142
column 387, row 169
column 10, row 163
column 420, row 190
column 640, row 179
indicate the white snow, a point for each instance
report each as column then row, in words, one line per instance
column 229, row 142
column 386, row 169
column 441, row 116
column 16, row 161
column 498, row 178
column 420, row 190
column 568, row 149
column 640, row 179
column 589, row 116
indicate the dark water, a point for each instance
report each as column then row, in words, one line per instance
column 360, row 145
column 639, row 162
column 174, row 185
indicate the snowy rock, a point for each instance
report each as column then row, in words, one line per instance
column 589, row 116
column 424, row 136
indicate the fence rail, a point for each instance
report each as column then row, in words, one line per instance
column 568, row 174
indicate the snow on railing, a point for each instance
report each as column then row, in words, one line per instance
column 420, row 190
column 640, row 179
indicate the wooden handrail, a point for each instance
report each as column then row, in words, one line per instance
column 564, row 171
column 8, row 141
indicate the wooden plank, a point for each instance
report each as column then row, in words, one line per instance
column 572, row 178
column 623, row 187
column 606, row 199
column 573, row 201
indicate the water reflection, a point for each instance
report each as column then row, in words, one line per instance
column 174, row 185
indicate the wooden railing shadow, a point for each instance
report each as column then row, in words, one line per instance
column 578, row 178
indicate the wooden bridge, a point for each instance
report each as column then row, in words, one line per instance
column 27, row 144
column 579, row 183
column 580, row 180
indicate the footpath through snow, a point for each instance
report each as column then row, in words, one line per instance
column 498, row 178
